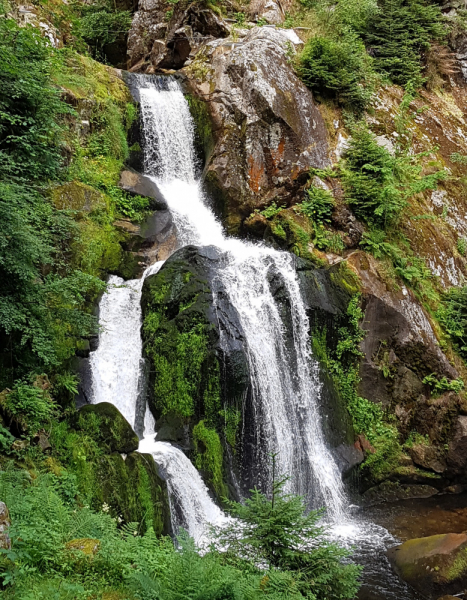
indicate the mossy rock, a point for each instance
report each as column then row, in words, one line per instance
column 105, row 424
column 78, row 197
column 433, row 565
column 87, row 546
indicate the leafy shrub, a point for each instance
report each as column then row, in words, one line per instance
column 29, row 406
column 319, row 205
column 30, row 107
column 280, row 532
column 338, row 68
column 443, row 385
column 378, row 184
column 102, row 24
column 399, row 33
column 452, row 314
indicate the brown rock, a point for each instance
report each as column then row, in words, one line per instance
column 389, row 491
column 427, row 457
column 364, row 445
column 267, row 129
column 433, row 565
column 5, row 523
column 457, row 453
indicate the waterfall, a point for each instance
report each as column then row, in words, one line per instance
column 285, row 383
column 190, row 504
column 117, row 366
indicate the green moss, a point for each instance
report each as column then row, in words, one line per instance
column 108, row 427
column 231, row 418
column 204, row 135
column 458, row 568
column 347, row 279
column 209, row 456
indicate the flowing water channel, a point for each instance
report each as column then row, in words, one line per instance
column 286, row 389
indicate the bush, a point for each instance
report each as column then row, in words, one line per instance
column 399, row 33
column 102, row 24
column 280, row 533
column 30, row 407
column 452, row 314
column 319, row 205
column 340, row 69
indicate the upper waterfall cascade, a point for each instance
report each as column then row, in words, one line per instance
column 286, row 389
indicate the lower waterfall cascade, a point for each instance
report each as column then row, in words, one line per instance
column 285, row 393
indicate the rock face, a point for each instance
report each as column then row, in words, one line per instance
column 433, row 565
column 267, row 131
column 5, row 542
column 157, row 43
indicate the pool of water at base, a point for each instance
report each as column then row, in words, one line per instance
column 404, row 520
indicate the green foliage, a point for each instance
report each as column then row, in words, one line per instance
column 452, row 314
column 399, row 33
column 319, row 205
column 29, row 406
column 459, row 158
column 378, row 184
column 338, row 68
column 30, row 107
column 462, row 246
column 209, row 456
column 280, row 532
column 102, row 24
column 271, row 211
column 443, row 385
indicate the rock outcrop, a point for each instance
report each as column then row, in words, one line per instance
column 267, row 130
column 433, row 565
column 5, row 541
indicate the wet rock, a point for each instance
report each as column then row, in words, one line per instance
column 5, row 541
column 400, row 349
column 457, row 452
column 141, row 185
column 390, row 491
column 428, row 457
column 104, row 423
column 433, row 565
column 42, row 441
column 267, row 129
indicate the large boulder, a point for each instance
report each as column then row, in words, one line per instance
column 267, row 130
column 433, row 565
column 105, row 423
column 5, row 541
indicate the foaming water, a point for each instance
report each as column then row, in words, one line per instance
column 284, row 377
column 117, row 366
column 191, row 506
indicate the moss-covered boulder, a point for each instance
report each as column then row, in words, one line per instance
column 433, row 565
column 132, row 490
column 108, row 427
column 87, row 546
column 200, row 387
column 78, row 197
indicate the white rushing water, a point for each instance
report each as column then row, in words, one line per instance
column 117, row 366
column 190, row 504
column 286, row 388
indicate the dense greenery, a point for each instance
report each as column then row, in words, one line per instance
column 65, row 551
